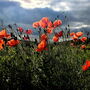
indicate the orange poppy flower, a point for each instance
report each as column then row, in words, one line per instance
column 83, row 46
column 50, row 24
column 44, row 37
column 1, row 44
column 36, row 24
column 49, row 30
column 75, row 38
column 13, row 42
column 42, row 24
column 79, row 34
column 72, row 34
column 55, row 38
column 57, row 23
column 42, row 44
column 45, row 19
column 83, row 39
column 3, row 33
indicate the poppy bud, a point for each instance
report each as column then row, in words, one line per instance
column 10, row 26
column 15, row 38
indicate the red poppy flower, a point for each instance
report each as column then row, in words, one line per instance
column 84, row 67
column 57, row 23
column 8, row 36
column 25, row 38
column 46, row 49
column 39, row 50
column 29, row 31
column 59, row 34
column 20, row 29
column 88, row 63
column 13, row 42
column 83, row 39
column 55, row 38
column 44, row 37
column 83, row 46
column 36, row 24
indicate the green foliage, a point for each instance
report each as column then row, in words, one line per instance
column 59, row 68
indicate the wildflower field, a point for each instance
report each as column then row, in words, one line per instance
column 41, row 64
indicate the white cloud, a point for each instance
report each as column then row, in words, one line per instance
column 57, row 5
column 61, row 6
column 31, row 4
column 79, row 25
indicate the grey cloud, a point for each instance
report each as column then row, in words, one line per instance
column 11, row 12
column 18, row 14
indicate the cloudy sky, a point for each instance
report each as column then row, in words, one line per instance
column 25, row 12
